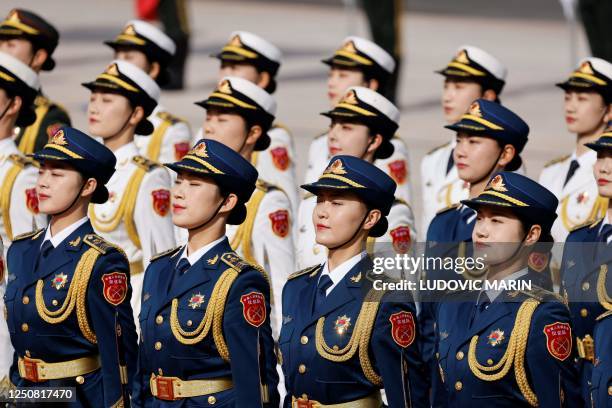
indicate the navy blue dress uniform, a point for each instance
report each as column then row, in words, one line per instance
column 511, row 348
column 50, row 116
column 68, row 303
column 585, row 283
column 206, row 337
column 339, row 348
column 601, row 380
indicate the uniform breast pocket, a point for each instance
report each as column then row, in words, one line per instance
column 284, row 344
column 9, row 307
column 190, row 319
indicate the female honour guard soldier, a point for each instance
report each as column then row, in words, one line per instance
column 360, row 62
column 136, row 216
column 251, row 57
column 588, row 99
column 68, row 297
column 340, row 342
column 362, row 125
column 472, row 74
column 586, row 282
column 151, row 50
column 205, row 317
column 18, row 201
column 239, row 114
column 507, row 347
column 32, row 40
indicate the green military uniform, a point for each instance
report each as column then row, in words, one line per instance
column 49, row 115
column 384, row 18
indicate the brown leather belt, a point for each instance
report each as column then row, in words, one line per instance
column 173, row 388
column 36, row 370
column 371, row 401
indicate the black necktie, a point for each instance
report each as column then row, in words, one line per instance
column 45, row 250
column 570, row 172
column 450, row 163
column 324, row 283
column 179, row 270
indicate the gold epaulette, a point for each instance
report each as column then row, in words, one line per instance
column 100, row 244
column 168, row 117
column 281, row 126
column 145, row 163
column 266, row 187
column 165, row 253
column 541, row 294
column 604, row 315
column 589, row 223
column 450, row 207
column 235, row 262
column 20, row 160
column 41, row 100
column 31, row 234
column 557, row 160
column 308, row 270
column 437, row 148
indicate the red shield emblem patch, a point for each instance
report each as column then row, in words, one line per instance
column 280, row 158
column 402, row 328
column 538, row 261
column 280, row 222
column 398, row 171
column 32, row 200
column 559, row 340
column 161, row 201
column 401, row 239
column 115, row 287
column 180, row 150
column 254, row 308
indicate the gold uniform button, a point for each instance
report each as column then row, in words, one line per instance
column 25, row 327
column 584, row 312
column 80, row 379
column 54, row 302
column 438, row 356
column 490, row 362
column 212, row 400
column 189, row 323
column 304, row 340
column 302, row 369
column 585, row 286
column 158, row 345
column 458, row 386
column 25, row 300
column 460, row 355
column 159, row 319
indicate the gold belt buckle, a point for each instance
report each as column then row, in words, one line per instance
column 30, row 369
column 303, row 402
column 589, row 348
column 165, row 388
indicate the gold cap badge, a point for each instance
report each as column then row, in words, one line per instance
column 59, row 138
column 462, row 57
column 335, row 168
column 497, row 184
column 224, row 87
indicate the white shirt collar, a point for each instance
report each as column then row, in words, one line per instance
column 127, row 151
column 339, row 271
column 493, row 294
column 63, row 234
column 195, row 257
column 587, row 159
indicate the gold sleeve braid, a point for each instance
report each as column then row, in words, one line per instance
column 213, row 316
column 76, row 297
column 515, row 353
column 359, row 341
column 602, row 295
column 125, row 212
column 242, row 237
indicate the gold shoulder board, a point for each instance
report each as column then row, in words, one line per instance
column 168, row 117
column 235, row 262
column 541, row 294
column 31, row 234
column 144, row 163
column 308, row 270
column 165, row 253
column 557, row 160
column 100, row 244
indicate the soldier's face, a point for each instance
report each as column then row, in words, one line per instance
column 194, row 200
column 57, row 186
column 336, row 217
column 475, row 156
column 603, row 173
column 107, row 113
column 352, row 139
column 135, row 57
column 497, row 234
column 339, row 80
column 18, row 48
column 245, row 71
column 585, row 112
column 457, row 97
column 227, row 128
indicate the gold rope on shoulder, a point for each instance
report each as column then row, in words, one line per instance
column 600, row 206
column 359, row 341
column 213, row 316
column 76, row 297
column 28, row 140
column 515, row 353
column 5, row 198
column 156, row 140
column 602, row 295
column 244, row 233
column 125, row 211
